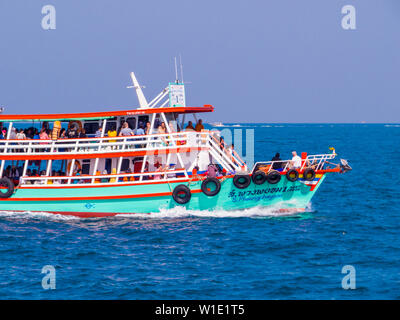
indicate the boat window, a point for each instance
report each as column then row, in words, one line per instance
column 125, row 165
column 111, row 126
column 91, row 127
column 143, row 120
column 131, row 123
column 108, row 165
column 85, row 166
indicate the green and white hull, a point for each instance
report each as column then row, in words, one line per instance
column 146, row 198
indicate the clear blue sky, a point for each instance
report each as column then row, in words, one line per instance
column 255, row 61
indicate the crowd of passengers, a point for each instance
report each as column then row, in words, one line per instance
column 14, row 173
column 76, row 132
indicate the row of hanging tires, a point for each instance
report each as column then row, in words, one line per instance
column 212, row 186
column 273, row 177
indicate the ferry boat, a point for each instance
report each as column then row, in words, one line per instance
column 162, row 167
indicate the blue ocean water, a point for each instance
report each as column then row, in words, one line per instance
column 354, row 219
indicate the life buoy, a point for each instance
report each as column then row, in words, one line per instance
column 273, row 177
column 292, row 175
column 309, row 174
column 211, row 191
column 181, row 194
column 241, row 181
column 259, row 177
column 9, row 185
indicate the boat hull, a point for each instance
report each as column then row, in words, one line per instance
column 151, row 197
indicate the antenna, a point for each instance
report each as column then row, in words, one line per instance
column 180, row 60
column 176, row 72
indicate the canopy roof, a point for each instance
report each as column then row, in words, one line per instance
column 100, row 115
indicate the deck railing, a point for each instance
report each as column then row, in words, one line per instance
column 165, row 175
column 315, row 161
column 105, row 144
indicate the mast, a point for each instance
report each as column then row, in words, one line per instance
column 142, row 99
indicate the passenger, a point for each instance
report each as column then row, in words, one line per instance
column 162, row 130
column 57, row 181
column 28, row 174
column 277, row 165
column 139, row 130
column 42, row 174
column 98, row 132
column 148, row 126
column 104, row 180
column 13, row 134
column 14, row 175
column 222, row 143
column 295, row 163
column 126, row 131
column 78, row 173
column 82, row 133
column 189, row 127
column 36, row 134
column 146, row 169
column 62, row 134
column 158, row 167
column 112, row 133
column 21, row 136
column 199, row 126
column 43, row 136
column 29, row 133
column 3, row 134
column 72, row 132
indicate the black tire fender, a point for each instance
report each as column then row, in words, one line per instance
column 259, row 177
column 9, row 185
column 273, row 177
column 292, row 175
column 181, row 194
column 206, row 190
column 241, row 181
column 309, row 174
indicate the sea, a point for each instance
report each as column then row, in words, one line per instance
column 345, row 246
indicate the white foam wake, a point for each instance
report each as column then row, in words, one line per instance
column 181, row 212
column 35, row 215
column 177, row 212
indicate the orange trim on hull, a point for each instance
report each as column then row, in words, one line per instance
column 128, row 196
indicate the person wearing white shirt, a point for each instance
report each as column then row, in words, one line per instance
column 296, row 161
